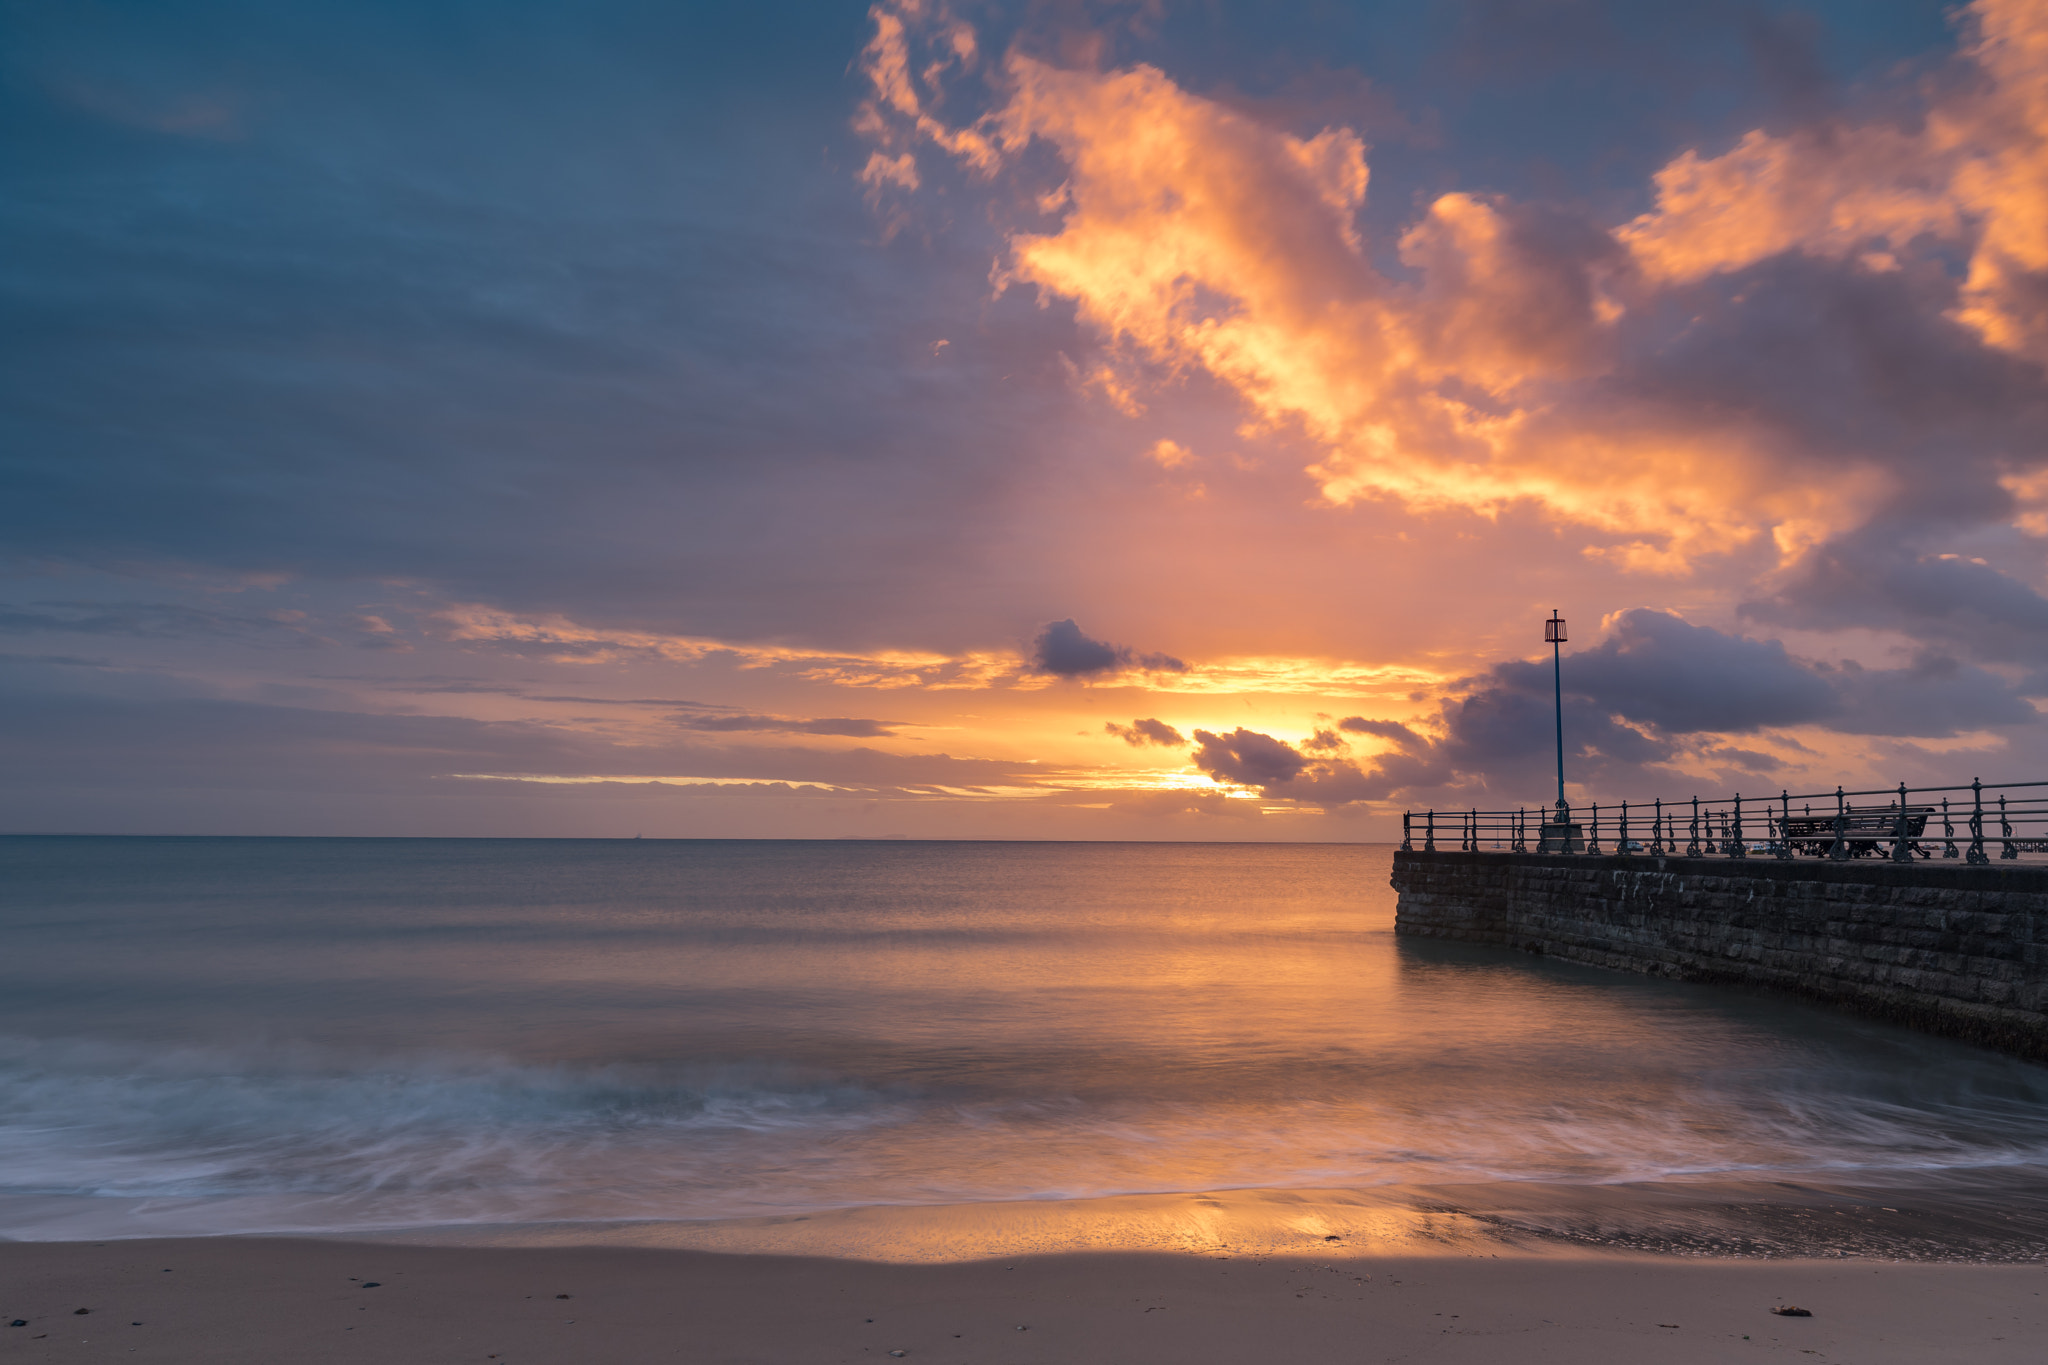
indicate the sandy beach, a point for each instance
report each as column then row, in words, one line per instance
column 229, row 1300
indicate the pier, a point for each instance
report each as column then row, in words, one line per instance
column 1928, row 909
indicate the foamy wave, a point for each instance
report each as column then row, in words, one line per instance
column 123, row 1121
column 100, row 1139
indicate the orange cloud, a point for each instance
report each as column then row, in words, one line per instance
column 1975, row 172
column 1194, row 238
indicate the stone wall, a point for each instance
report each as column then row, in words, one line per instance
column 1946, row 947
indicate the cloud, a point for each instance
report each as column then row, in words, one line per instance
column 853, row 727
column 1658, row 691
column 1933, row 696
column 1536, row 357
column 1062, row 650
column 160, row 743
column 1322, row 776
column 1658, row 669
column 1401, row 735
column 559, row 639
column 1247, row 758
column 1655, row 694
column 582, row 314
column 1142, row 732
column 1971, row 173
column 1877, row 582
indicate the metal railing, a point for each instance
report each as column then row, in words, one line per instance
column 1974, row 823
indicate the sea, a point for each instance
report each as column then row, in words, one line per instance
column 926, row 1050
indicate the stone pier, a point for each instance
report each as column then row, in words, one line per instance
column 1950, row 948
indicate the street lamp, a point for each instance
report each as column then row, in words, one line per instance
column 1553, row 635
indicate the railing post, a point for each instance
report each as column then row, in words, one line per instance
column 2011, row 850
column 1692, row 843
column 1621, row 846
column 1784, row 849
column 1737, row 846
column 1976, row 853
column 1407, row 835
column 1429, row 833
column 1948, row 833
column 1902, row 847
column 1839, row 850
column 1593, row 831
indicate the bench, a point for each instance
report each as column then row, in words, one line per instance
column 1864, row 828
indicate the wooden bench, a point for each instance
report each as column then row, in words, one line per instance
column 1864, row 828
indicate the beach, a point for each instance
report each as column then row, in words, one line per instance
column 384, row 1101
column 223, row 1301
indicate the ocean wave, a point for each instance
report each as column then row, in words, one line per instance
column 171, row 1138
column 87, row 1118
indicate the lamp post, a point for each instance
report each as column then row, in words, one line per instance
column 1553, row 635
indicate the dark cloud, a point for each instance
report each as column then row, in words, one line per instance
column 1317, row 774
column 1142, row 732
column 1402, row 736
column 1662, row 671
column 1062, row 650
column 1830, row 367
column 1874, row 581
column 1323, row 741
column 1247, row 758
column 1656, row 690
column 1658, row 671
column 1933, row 696
column 1659, row 688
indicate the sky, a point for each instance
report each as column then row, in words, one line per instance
column 1056, row 420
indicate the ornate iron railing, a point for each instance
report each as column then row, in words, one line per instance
column 1974, row 823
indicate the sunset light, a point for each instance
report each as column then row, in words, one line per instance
column 992, row 682
column 1086, row 380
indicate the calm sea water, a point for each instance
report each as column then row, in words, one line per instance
column 220, row 1034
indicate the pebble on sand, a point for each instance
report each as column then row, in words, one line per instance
column 1788, row 1311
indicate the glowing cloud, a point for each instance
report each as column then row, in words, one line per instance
column 1192, row 237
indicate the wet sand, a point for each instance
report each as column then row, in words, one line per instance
column 227, row 1300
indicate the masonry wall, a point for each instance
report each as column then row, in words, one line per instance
column 1950, row 948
